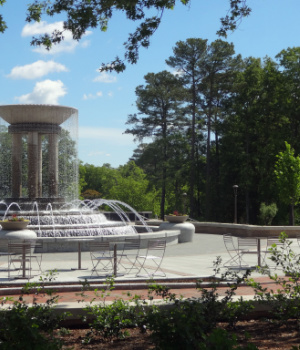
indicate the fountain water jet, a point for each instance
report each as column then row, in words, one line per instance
column 38, row 148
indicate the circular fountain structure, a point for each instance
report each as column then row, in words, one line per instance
column 38, row 154
column 39, row 177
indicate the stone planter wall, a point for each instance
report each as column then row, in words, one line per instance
column 245, row 230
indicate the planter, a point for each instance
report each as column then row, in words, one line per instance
column 178, row 219
column 14, row 225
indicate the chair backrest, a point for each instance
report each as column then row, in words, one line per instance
column 3, row 245
column 98, row 246
column 247, row 243
column 38, row 245
column 132, row 243
column 229, row 243
column 17, row 247
column 157, row 247
column 273, row 240
column 298, row 240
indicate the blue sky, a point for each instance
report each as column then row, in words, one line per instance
column 68, row 74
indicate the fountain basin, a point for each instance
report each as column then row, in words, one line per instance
column 187, row 230
column 17, row 234
column 65, row 244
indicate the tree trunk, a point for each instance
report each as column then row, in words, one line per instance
column 292, row 216
column 192, row 154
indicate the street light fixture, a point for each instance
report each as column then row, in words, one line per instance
column 235, row 189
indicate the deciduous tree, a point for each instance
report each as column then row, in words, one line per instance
column 84, row 14
column 287, row 171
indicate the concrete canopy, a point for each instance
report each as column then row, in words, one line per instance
column 31, row 113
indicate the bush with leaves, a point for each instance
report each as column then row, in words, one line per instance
column 285, row 299
column 267, row 213
column 191, row 323
column 112, row 319
column 24, row 327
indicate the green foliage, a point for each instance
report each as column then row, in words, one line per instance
column 284, row 300
column 24, row 327
column 132, row 187
column 191, row 323
column 238, row 10
column 90, row 194
column 83, row 15
column 267, row 213
column 179, row 323
column 128, row 184
column 160, row 115
column 220, row 339
column 28, row 328
column 287, row 171
column 3, row 25
column 110, row 320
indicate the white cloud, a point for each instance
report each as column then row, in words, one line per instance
column 110, row 94
column 178, row 72
column 36, row 70
column 104, row 77
column 113, row 135
column 40, row 28
column 86, row 43
column 99, row 153
column 46, row 92
column 91, row 96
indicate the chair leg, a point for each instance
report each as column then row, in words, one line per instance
column 156, row 267
column 104, row 266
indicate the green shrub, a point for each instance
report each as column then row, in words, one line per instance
column 189, row 323
column 285, row 299
column 267, row 213
column 24, row 327
column 110, row 320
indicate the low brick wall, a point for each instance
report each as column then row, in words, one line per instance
column 245, row 230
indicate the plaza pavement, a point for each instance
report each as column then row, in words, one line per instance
column 183, row 264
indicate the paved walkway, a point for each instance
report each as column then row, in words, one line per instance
column 183, row 264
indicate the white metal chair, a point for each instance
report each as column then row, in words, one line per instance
column 247, row 246
column 20, row 252
column 4, row 252
column 152, row 260
column 101, row 254
column 272, row 242
column 298, row 240
column 232, row 251
column 36, row 252
column 129, row 257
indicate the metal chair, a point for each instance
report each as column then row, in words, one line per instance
column 298, row 240
column 129, row 257
column 153, row 258
column 36, row 252
column 271, row 242
column 247, row 246
column 4, row 252
column 20, row 252
column 101, row 254
column 232, row 251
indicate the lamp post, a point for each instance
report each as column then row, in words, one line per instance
column 235, row 189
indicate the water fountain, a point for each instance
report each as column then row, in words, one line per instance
column 38, row 150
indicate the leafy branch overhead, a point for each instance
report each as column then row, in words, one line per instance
column 84, row 14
